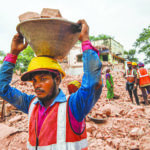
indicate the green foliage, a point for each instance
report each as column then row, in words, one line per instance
column 24, row 59
column 130, row 55
column 143, row 43
column 100, row 37
column 2, row 55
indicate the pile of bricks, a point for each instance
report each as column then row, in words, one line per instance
column 46, row 13
column 127, row 125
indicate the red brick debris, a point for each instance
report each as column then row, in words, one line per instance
column 45, row 13
column 126, row 125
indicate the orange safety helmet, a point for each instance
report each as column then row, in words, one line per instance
column 129, row 63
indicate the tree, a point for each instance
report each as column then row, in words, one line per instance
column 130, row 55
column 100, row 37
column 24, row 59
column 143, row 43
column 2, row 55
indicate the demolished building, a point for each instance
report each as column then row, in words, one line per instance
column 111, row 54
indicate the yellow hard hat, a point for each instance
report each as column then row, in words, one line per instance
column 134, row 64
column 42, row 64
column 76, row 83
column 73, row 86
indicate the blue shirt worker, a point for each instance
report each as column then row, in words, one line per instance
column 55, row 121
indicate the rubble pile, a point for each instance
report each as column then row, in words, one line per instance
column 126, row 125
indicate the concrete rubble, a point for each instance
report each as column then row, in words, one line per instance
column 127, row 125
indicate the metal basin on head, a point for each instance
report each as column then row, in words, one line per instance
column 50, row 37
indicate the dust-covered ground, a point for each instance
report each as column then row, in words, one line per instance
column 125, row 126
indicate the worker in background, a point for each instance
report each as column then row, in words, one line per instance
column 73, row 86
column 143, row 77
column 131, row 84
column 55, row 122
column 109, row 84
column 134, row 66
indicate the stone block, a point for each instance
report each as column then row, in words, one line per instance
column 6, row 131
column 50, row 13
column 28, row 15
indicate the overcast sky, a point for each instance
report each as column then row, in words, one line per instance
column 122, row 19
